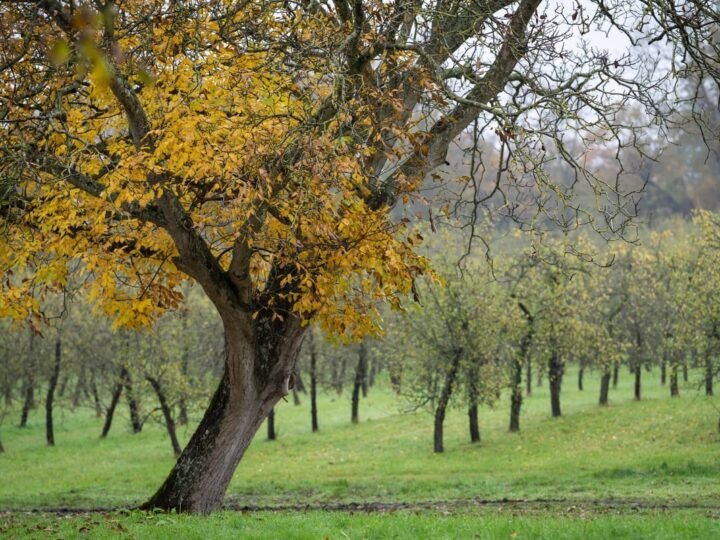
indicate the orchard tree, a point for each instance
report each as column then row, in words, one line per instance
column 258, row 147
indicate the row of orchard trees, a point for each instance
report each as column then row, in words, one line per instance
column 475, row 334
column 553, row 302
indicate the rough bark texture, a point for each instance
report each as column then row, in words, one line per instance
column 49, row 430
column 167, row 414
column 441, row 408
column 555, row 374
column 359, row 383
column 258, row 372
column 605, row 386
column 110, row 413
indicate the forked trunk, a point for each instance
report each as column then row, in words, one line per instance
column 258, row 372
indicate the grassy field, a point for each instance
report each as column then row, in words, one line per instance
column 633, row 469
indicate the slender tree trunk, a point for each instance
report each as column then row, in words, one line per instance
column 167, row 414
column 708, row 376
column 674, row 387
column 474, row 426
column 359, row 381
column 271, row 434
column 63, row 386
column 663, row 373
column 2, row 448
column 528, row 376
column 29, row 401
column 516, row 396
column 117, row 390
column 49, row 431
column 299, row 383
column 685, row 371
column 8, row 394
column 296, row 397
column 313, row 383
column 182, row 418
column 615, row 374
column 555, row 373
column 605, row 386
column 638, row 373
column 133, row 405
column 373, row 370
column 79, row 388
column 581, row 371
column 445, row 394
column 260, row 359
column 95, row 395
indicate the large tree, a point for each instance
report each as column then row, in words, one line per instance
column 257, row 147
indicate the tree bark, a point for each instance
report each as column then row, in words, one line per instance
column 708, row 376
column 615, row 374
column 271, row 434
column 638, row 373
column 359, row 382
column 663, row 373
column 111, row 409
column 167, row 414
column 313, row 384
column 259, row 366
column 441, row 408
column 49, row 431
column 473, row 425
column 580, row 377
column 516, row 396
column 674, row 387
column 29, row 401
column 555, row 373
column 605, row 386
column 528, row 376
column 133, row 405
column 95, row 395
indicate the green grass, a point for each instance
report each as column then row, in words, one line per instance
column 659, row 450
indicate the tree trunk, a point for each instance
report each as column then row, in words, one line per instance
column 473, row 425
column 708, row 376
column 49, row 431
column 63, row 386
column 528, row 376
column 663, row 373
column 674, row 387
column 2, row 448
column 450, row 377
column 79, row 388
column 133, row 405
column 29, row 401
column 685, row 371
column 359, row 382
column 313, row 384
column 516, row 396
column 555, row 373
column 615, row 374
column 580, row 377
column 605, row 385
column 271, row 434
column 259, row 365
column 167, row 414
column 299, row 383
column 96, row 396
column 111, row 409
column 182, row 418
column 373, row 370
column 638, row 372
column 296, row 397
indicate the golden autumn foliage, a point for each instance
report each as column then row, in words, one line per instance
column 233, row 134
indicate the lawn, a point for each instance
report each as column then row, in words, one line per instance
column 632, row 469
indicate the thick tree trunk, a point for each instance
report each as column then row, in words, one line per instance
column 516, row 396
column 258, row 372
column 271, row 434
column 49, row 431
column 638, row 373
column 117, row 390
column 708, row 376
column 133, row 405
column 674, row 386
column 313, row 384
column 167, row 414
column 443, row 401
column 615, row 374
column 359, row 382
column 605, row 386
column 555, row 373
